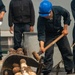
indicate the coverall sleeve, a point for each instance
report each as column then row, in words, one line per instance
column 2, row 6
column 10, row 16
column 32, row 12
column 65, row 14
column 41, row 29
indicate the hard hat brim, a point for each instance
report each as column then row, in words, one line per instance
column 44, row 15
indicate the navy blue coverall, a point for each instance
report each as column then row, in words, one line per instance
column 48, row 30
column 22, row 16
column 2, row 8
column 73, row 12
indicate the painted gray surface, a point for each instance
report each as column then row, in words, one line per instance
column 64, row 3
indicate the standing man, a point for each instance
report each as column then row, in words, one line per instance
column 21, row 19
column 73, row 12
column 49, row 27
column 2, row 12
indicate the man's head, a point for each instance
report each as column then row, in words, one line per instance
column 45, row 8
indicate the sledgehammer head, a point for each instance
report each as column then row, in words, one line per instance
column 36, row 56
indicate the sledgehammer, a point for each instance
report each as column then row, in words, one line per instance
column 37, row 55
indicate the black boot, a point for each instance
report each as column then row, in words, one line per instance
column 1, row 57
column 46, row 73
column 69, row 71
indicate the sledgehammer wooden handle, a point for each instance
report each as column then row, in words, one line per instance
column 37, row 55
column 53, row 42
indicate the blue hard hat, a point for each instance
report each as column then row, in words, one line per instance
column 45, row 8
